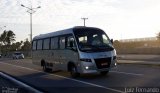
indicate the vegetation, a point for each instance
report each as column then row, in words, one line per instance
column 9, row 44
column 158, row 36
column 26, row 45
column 137, row 47
column 7, row 37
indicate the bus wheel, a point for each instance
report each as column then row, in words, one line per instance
column 44, row 67
column 104, row 73
column 74, row 72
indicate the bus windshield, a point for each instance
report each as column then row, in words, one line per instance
column 91, row 40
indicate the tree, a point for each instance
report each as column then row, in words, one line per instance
column 26, row 45
column 16, row 46
column 7, row 37
column 3, row 38
column 158, row 36
column 6, row 40
column 10, row 37
column 117, row 44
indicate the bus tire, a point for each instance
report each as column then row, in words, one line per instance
column 45, row 69
column 74, row 73
column 104, row 73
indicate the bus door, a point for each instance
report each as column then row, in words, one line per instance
column 71, row 50
column 68, row 51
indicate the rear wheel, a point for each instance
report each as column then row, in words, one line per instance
column 74, row 73
column 104, row 73
column 46, row 69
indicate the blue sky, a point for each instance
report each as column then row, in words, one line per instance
column 120, row 19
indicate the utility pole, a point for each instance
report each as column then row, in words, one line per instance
column 31, row 10
column 84, row 20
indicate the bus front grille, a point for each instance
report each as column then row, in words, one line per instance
column 103, row 62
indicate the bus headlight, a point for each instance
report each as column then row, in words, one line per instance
column 115, row 60
column 115, row 63
column 86, row 60
column 89, row 67
column 86, row 67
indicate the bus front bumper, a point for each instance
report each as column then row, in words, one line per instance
column 91, row 68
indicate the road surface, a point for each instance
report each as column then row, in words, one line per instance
column 124, row 78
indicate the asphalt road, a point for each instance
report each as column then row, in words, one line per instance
column 124, row 78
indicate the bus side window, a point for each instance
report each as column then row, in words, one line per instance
column 39, row 45
column 46, row 43
column 62, row 42
column 69, row 40
column 34, row 45
column 54, row 43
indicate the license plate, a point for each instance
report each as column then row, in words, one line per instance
column 104, row 64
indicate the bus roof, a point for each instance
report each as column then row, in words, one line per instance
column 60, row 32
column 56, row 33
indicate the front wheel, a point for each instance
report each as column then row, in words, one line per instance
column 74, row 73
column 104, row 73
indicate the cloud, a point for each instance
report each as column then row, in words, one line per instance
column 52, row 9
column 114, row 16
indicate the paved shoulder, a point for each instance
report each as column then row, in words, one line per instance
column 157, row 63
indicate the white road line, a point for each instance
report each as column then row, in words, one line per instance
column 92, row 84
column 127, row 73
column 20, row 83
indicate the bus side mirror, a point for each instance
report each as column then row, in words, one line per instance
column 112, row 41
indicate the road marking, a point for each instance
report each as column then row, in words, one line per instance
column 92, row 84
column 20, row 83
column 127, row 73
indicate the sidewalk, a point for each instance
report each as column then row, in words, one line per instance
column 139, row 62
column 139, row 59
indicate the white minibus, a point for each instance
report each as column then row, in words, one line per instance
column 78, row 50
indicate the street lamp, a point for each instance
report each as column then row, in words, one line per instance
column 30, row 11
